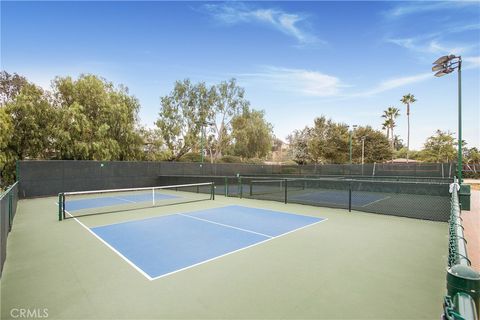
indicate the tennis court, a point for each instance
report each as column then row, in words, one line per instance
column 222, row 258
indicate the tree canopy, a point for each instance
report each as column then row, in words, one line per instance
column 328, row 142
column 89, row 118
column 252, row 134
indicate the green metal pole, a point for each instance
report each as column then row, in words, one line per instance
column 60, row 209
column 460, row 160
column 203, row 137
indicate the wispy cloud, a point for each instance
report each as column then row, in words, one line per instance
column 287, row 23
column 415, row 7
column 309, row 83
column 434, row 43
column 393, row 83
column 419, row 44
column 299, row 81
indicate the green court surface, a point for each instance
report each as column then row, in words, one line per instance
column 352, row 266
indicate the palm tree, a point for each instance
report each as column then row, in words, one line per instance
column 390, row 115
column 386, row 127
column 408, row 99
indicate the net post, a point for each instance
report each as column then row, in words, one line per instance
column 212, row 191
column 60, row 207
column 286, row 191
column 251, row 188
column 226, row 186
column 350, row 197
column 240, row 186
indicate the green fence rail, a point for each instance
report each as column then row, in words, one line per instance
column 463, row 282
column 8, row 208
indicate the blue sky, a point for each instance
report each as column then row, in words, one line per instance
column 348, row 61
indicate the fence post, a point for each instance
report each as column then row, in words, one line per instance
column 10, row 210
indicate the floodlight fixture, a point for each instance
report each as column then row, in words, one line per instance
column 444, row 59
column 439, row 67
column 443, row 72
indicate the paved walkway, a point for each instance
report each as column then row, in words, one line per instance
column 471, row 222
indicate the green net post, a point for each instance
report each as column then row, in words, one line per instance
column 213, row 191
column 350, row 197
column 251, row 188
column 226, row 186
column 286, row 191
column 60, row 207
column 240, row 187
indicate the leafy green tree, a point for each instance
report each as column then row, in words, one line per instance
column 96, row 121
column 439, row 147
column 6, row 131
column 252, row 134
column 408, row 99
column 10, row 86
column 376, row 146
column 183, row 114
column 33, row 120
column 153, row 149
column 471, row 155
column 298, row 141
column 229, row 102
column 329, row 141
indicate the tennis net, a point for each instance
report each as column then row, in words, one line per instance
column 81, row 203
column 264, row 186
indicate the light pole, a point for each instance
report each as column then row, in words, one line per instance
column 445, row 65
column 202, row 141
column 363, row 149
column 350, row 142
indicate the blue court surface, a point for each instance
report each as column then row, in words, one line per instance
column 163, row 245
column 98, row 202
column 360, row 199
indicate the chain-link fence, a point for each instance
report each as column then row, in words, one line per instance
column 463, row 282
column 8, row 208
column 46, row 178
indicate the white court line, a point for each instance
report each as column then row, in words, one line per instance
column 193, row 265
column 224, row 225
column 238, row 250
column 110, row 247
column 387, row 197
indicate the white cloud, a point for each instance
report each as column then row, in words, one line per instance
column 419, row 44
column 300, row 81
column 415, row 7
column 395, row 83
column 287, row 23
